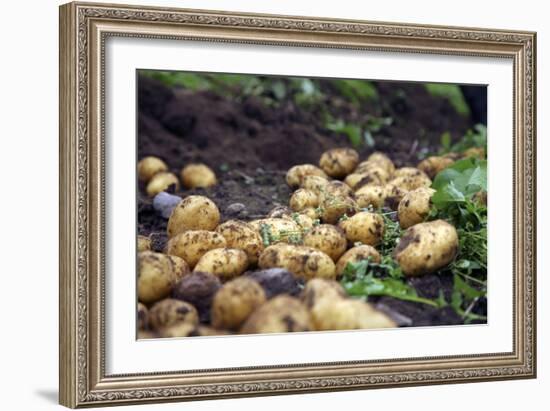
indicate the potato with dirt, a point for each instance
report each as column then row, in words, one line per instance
column 316, row 184
column 276, row 281
column 302, row 219
column 235, row 301
column 142, row 316
column 339, row 162
column 347, row 314
column 156, row 276
column 161, row 182
column 226, row 263
column 393, row 195
column 241, row 235
column 328, row 239
column 383, row 161
column 177, row 330
column 198, row 289
column 335, row 188
column 304, row 262
column 277, row 229
column 414, row 207
column 192, row 245
column 426, row 248
column 193, row 213
column 364, row 227
column 370, row 196
column 334, row 208
column 281, row 314
column 302, row 199
column 180, row 267
column 318, row 289
column 197, row 176
column 434, row 164
column 296, row 174
column 170, row 311
column 149, row 166
column 143, row 243
column 355, row 255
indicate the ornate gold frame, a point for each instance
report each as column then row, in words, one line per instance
column 83, row 30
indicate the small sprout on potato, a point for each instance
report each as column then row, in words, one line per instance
column 235, row 301
column 279, row 315
column 192, row 245
column 171, row 311
column 143, row 243
column 328, row 239
column 156, row 276
column 366, row 227
column 198, row 289
column 197, row 175
column 149, row 166
column 356, row 254
column 226, row 263
column 193, row 213
column 339, row 162
column 296, row 174
column 161, row 182
column 414, row 207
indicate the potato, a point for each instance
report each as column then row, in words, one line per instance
column 358, row 180
column 480, row 197
column 161, row 182
column 318, row 289
column 278, row 229
column 310, row 212
column 302, row 261
column 279, row 212
column 296, row 174
column 315, row 183
column 304, row 221
column 276, row 281
column 328, row 239
column 407, row 172
column 156, row 276
column 370, row 195
column 478, row 152
column 197, row 175
column 198, row 289
column 414, row 207
column 170, row 311
column 143, row 243
column 243, row 236
column 206, row 331
column 393, row 195
column 279, row 315
column 142, row 316
column 409, row 183
column 336, row 189
column 433, row 165
column 180, row 267
column 347, row 314
column 383, row 160
column 146, row 334
column 339, row 162
column 149, row 166
column 332, row 209
column 355, row 255
column 364, row 227
column 178, row 329
column 226, row 263
column 193, row 213
column 235, row 301
column 303, row 198
column 192, row 245
column 426, row 247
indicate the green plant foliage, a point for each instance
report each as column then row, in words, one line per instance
column 452, row 93
column 356, row 91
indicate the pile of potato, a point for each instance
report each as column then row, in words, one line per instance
column 279, row 273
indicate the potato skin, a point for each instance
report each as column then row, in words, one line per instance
column 339, row 162
column 393, row 195
column 328, row 239
column 180, row 267
column 142, row 317
column 332, row 209
column 243, row 236
column 364, row 227
column 363, row 176
column 347, row 314
column 177, row 330
column 414, row 207
column 149, row 166
column 336, row 189
column 434, row 164
column 316, row 184
column 382, row 160
column 143, row 243
column 197, row 175
column 156, row 276
column 193, row 213
column 426, row 247
column 296, row 174
column 279, row 315
column 370, row 195
column 235, row 301
column 226, row 263
column 161, row 182
column 356, row 254
column 192, row 245
column 318, row 289
column 303, row 198
column 302, row 261
column 412, row 182
column 170, row 311
column 282, row 229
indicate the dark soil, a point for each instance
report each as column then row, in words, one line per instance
column 250, row 146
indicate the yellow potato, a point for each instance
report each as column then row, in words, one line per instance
column 197, row 175
column 339, row 162
column 192, row 245
column 310, row 212
column 206, row 331
column 302, row 261
column 302, row 199
column 235, row 301
column 149, row 166
column 170, row 311
column 318, row 289
column 393, row 195
column 426, row 247
column 142, row 316
column 193, row 213
column 303, row 220
column 347, row 314
column 180, row 267
column 243, row 236
column 408, row 172
column 336, row 189
column 433, row 165
column 414, row 207
column 143, row 243
column 226, row 263
column 156, row 276
column 409, row 183
column 315, row 183
column 370, row 195
column 328, row 239
column 383, row 160
column 355, row 255
column 278, row 229
column 296, row 175
column 281, row 314
column 161, row 182
column 478, row 152
column 364, row 227
column 279, row 212
column 334, row 208
column 177, row 330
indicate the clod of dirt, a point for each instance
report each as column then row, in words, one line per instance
column 198, row 289
column 277, row 281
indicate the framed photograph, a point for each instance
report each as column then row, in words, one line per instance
column 259, row 204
